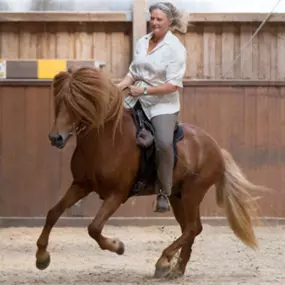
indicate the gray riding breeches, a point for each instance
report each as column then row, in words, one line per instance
column 164, row 128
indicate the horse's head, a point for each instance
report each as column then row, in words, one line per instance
column 63, row 126
column 83, row 99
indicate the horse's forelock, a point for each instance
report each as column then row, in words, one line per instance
column 60, row 88
column 84, row 93
column 89, row 96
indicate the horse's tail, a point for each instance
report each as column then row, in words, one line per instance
column 233, row 194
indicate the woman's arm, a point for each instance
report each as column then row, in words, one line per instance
column 129, row 79
column 174, row 72
column 153, row 90
column 162, row 89
column 126, row 82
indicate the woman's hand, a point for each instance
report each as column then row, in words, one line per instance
column 136, row 91
column 126, row 82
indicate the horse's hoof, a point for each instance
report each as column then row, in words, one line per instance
column 121, row 248
column 42, row 264
column 175, row 273
column 161, row 272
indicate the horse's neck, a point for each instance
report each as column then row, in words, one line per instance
column 103, row 159
column 105, row 138
column 95, row 138
column 99, row 152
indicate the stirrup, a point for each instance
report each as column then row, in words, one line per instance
column 163, row 205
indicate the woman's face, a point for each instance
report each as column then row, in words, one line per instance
column 159, row 22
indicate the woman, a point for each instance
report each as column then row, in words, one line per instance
column 154, row 77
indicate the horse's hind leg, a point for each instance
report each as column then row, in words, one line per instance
column 185, row 253
column 73, row 194
column 186, row 249
column 192, row 196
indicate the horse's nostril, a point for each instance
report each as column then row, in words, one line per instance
column 59, row 138
column 56, row 138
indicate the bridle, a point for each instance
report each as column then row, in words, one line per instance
column 77, row 130
column 80, row 129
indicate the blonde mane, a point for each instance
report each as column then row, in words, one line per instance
column 89, row 96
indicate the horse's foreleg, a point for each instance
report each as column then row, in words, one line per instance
column 73, row 194
column 108, row 208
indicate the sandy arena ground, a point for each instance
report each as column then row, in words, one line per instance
column 218, row 257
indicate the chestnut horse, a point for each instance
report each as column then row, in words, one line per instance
column 107, row 159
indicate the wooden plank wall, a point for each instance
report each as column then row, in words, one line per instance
column 246, row 120
column 33, row 175
column 249, row 122
column 211, row 47
column 107, row 42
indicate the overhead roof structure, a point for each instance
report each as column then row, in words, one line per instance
column 214, row 6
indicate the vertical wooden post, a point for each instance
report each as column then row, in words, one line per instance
column 139, row 21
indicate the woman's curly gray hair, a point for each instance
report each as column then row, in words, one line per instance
column 179, row 18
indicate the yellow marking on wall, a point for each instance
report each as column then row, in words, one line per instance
column 48, row 68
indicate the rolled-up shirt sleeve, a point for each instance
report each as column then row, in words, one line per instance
column 137, row 50
column 175, row 69
column 130, row 74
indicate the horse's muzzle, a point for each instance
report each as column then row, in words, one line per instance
column 58, row 140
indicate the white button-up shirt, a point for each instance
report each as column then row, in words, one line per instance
column 165, row 63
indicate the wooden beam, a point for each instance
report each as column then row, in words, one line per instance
column 122, row 221
column 235, row 17
column 139, row 15
column 232, row 82
column 186, row 83
column 139, row 21
column 122, row 16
